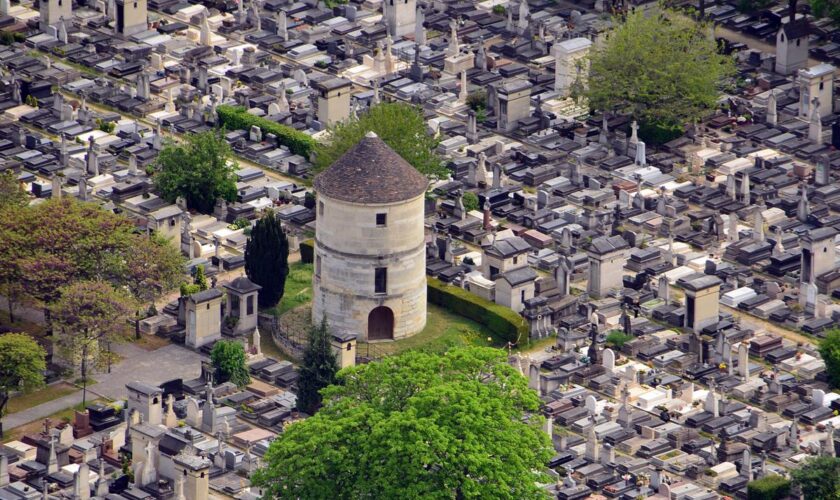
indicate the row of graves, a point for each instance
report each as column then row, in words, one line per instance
column 693, row 414
column 182, row 439
column 74, row 156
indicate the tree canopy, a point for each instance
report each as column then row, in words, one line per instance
column 11, row 192
column 830, row 351
column 769, row 487
column 416, row 425
column 401, row 126
column 826, row 8
column 228, row 357
column 317, row 370
column 818, row 477
column 659, row 66
column 22, row 365
column 88, row 316
column 267, row 258
column 197, row 169
column 44, row 247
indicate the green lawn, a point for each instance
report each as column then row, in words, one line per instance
column 298, row 289
column 443, row 330
column 41, row 396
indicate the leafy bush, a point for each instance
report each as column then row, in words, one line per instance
column 769, row 487
column 470, row 201
column 477, row 100
column 307, row 251
column 239, row 223
column 618, row 338
column 499, row 319
column 236, row 117
column 659, row 133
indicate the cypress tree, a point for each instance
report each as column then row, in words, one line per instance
column 267, row 259
column 318, row 369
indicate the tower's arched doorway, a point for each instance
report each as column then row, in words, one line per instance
column 381, row 324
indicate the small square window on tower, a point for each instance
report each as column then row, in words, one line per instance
column 381, row 220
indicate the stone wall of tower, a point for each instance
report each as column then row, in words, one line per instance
column 350, row 245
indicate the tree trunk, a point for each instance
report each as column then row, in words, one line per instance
column 84, row 376
column 137, row 326
column 4, row 400
column 48, row 321
column 11, row 313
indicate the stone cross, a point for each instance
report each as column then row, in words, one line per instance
column 454, row 48
column 634, row 135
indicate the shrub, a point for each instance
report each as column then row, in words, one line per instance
column 618, row 338
column 236, row 117
column 500, row 320
column 307, row 251
column 769, row 487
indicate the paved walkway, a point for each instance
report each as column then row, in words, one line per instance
column 154, row 367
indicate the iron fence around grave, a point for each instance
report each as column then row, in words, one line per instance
column 293, row 343
column 291, row 346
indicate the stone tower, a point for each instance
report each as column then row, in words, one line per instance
column 370, row 277
column 400, row 16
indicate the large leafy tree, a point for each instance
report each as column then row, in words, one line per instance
column 402, row 128
column 12, row 247
column 43, row 247
column 151, row 266
column 416, row 425
column 830, row 351
column 22, row 365
column 199, row 169
column 11, row 192
column 318, row 369
column 228, row 357
column 818, row 477
column 826, row 8
column 659, row 66
column 87, row 317
column 267, row 258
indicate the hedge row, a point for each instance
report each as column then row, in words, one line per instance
column 307, row 251
column 237, row 118
column 498, row 319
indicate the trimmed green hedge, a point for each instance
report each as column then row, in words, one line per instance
column 236, row 118
column 498, row 319
column 769, row 487
column 307, row 251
